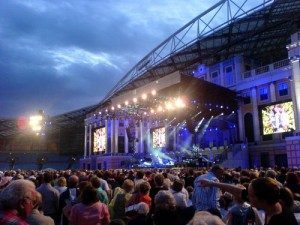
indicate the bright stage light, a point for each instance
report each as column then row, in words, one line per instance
column 144, row 96
column 112, row 108
column 134, row 100
column 126, row 102
column 35, row 123
column 179, row 103
column 153, row 92
column 119, row 106
column 159, row 108
column 169, row 106
column 152, row 110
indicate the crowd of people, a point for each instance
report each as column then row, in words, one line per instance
column 178, row 196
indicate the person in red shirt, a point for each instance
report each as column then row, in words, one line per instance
column 141, row 196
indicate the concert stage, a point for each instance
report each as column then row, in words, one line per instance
column 166, row 121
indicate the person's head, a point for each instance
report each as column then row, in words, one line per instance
column 144, row 188
column 89, row 195
column 19, row 195
column 177, row 185
column 47, row 177
column 164, row 200
column 73, row 181
column 205, row 218
column 159, row 180
column 95, row 182
column 217, row 170
column 62, row 182
column 265, row 191
column 128, row 185
column 271, row 173
column 140, row 174
column 291, row 179
column 37, row 200
column 142, row 208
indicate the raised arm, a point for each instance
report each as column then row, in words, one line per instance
column 232, row 189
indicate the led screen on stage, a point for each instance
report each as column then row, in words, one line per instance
column 278, row 118
column 159, row 137
column 99, row 140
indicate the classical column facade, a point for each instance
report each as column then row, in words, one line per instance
column 85, row 141
column 255, row 114
column 90, row 140
column 116, row 135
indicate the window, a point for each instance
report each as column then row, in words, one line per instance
column 228, row 69
column 283, row 89
column 263, row 93
column 214, row 74
column 246, row 98
column 229, row 76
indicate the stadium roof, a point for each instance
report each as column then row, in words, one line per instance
column 260, row 32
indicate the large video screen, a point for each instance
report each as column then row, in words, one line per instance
column 100, row 138
column 159, row 137
column 278, row 118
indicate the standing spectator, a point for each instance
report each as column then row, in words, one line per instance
column 68, row 198
column 61, row 185
column 207, row 198
column 90, row 211
column 17, row 202
column 50, row 197
column 141, row 196
column 180, row 198
column 119, row 201
column 37, row 217
column 102, row 195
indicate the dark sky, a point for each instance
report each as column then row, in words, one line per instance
column 61, row 55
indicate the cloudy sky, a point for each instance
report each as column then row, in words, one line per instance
column 61, row 55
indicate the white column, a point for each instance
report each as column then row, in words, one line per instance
column 111, row 127
column 90, row 140
column 126, row 136
column 141, row 137
column 272, row 92
column 85, row 141
column 149, row 147
column 106, row 131
column 255, row 115
column 116, row 135
column 136, row 135
column 241, row 125
column 295, row 91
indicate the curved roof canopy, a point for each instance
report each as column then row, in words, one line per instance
column 260, row 32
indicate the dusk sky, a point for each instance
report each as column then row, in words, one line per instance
column 61, row 55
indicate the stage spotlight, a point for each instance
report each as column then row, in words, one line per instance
column 106, row 110
column 232, row 112
column 179, row 103
column 153, row 92
column 134, row 100
column 159, row 108
column 144, row 96
column 35, row 122
column 112, row 108
column 126, row 102
column 119, row 106
column 169, row 106
column 152, row 110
